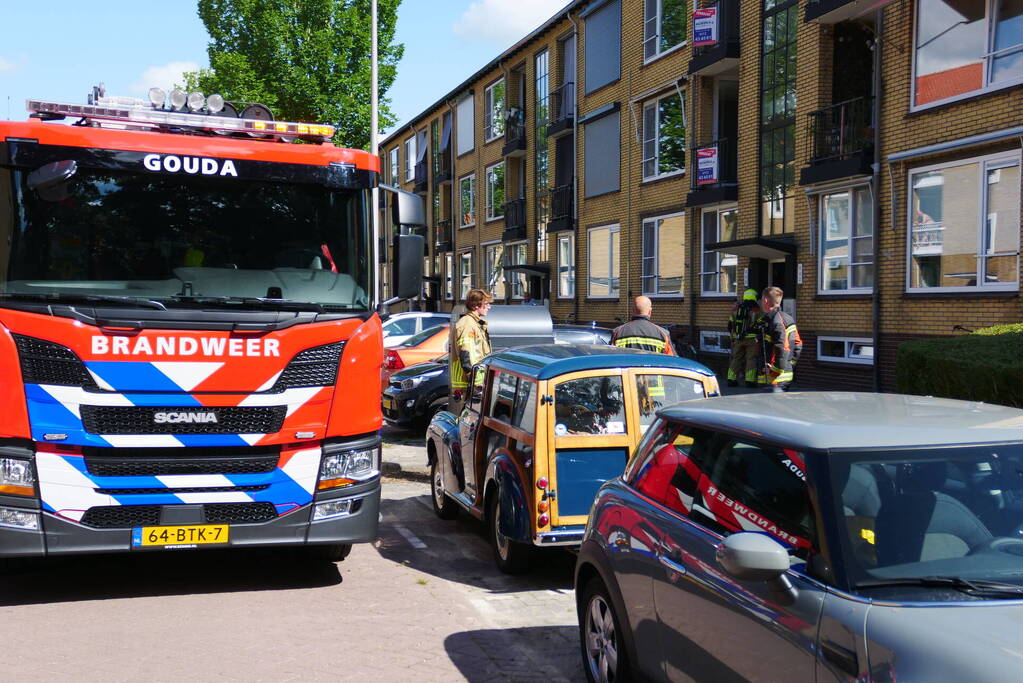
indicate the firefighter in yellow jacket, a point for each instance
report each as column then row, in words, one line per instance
column 742, row 327
column 780, row 341
column 472, row 343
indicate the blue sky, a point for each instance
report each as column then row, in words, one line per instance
column 67, row 46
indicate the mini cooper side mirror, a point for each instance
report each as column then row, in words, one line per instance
column 752, row 556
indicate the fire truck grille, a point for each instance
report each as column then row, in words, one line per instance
column 142, row 420
column 315, row 367
column 44, row 362
column 154, row 462
column 121, row 516
column 193, row 489
column 239, row 513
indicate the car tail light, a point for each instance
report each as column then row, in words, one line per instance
column 543, row 506
column 393, row 360
column 541, row 483
column 543, row 520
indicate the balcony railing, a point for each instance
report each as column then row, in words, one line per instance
column 714, row 172
column 442, row 166
column 841, row 130
column 442, row 235
column 514, row 133
column 722, row 54
column 562, row 198
column 514, row 220
column 422, row 176
column 561, row 110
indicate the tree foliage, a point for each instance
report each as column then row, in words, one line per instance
column 308, row 60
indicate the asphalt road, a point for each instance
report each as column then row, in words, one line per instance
column 423, row 603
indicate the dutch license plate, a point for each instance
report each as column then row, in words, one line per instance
column 201, row 534
column 388, row 403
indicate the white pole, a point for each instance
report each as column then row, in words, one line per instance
column 374, row 148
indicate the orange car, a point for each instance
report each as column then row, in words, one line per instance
column 418, row 348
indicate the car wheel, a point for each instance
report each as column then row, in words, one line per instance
column 600, row 637
column 510, row 557
column 443, row 507
column 327, row 553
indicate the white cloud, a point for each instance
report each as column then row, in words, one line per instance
column 165, row 76
column 7, row 66
column 503, row 21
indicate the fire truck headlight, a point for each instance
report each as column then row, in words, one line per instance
column 196, row 101
column 178, row 98
column 215, row 104
column 16, row 518
column 157, row 97
column 17, row 477
column 352, row 467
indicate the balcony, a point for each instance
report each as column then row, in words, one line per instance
column 841, row 141
column 514, row 220
column 834, row 11
column 562, row 200
column 715, row 176
column 442, row 174
column 421, row 177
column 514, row 134
column 442, row 236
column 717, row 52
column 561, row 110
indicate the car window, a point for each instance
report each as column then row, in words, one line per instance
column 664, row 470
column 479, row 379
column 396, row 327
column 590, row 405
column 656, row 391
column 502, row 398
column 525, row 406
column 417, row 339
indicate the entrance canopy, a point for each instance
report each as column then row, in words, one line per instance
column 756, row 247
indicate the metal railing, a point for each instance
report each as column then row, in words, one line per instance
column 515, row 214
column 442, row 163
column 561, row 202
column 841, row 130
column 442, row 233
column 421, row 174
column 515, row 129
column 703, row 173
column 562, row 104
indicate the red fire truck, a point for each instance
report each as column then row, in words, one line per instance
column 190, row 347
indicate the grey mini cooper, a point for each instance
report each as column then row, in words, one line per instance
column 810, row 537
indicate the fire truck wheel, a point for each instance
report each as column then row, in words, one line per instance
column 443, row 507
column 18, row 565
column 327, row 553
column 510, row 557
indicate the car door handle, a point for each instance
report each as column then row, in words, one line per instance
column 671, row 565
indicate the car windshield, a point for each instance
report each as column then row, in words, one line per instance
column 417, row 339
column 920, row 521
column 180, row 239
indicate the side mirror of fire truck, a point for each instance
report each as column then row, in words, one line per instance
column 408, row 250
column 50, row 181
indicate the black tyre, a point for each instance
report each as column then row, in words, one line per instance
column 510, row 557
column 443, row 507
column 600, row 637
column 327, row 553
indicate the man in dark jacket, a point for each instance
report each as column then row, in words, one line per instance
column 742, row 327
column 640, row 333
column 779, row 339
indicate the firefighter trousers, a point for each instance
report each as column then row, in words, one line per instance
column 745, row 361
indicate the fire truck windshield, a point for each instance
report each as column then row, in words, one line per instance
column 180, row 240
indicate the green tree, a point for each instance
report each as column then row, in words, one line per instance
column 308, row 60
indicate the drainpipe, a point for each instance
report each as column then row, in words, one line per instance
column 575, row 167
column 876, row 189
column 696, row 232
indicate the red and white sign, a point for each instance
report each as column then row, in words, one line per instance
column 705, row 26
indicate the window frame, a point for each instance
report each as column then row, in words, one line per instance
column 493, row 121
column 822, row 229
column 774, row 126
column 395, row 165
column 491, row 188
column 656, row 140
column 410, row 158
column 471, row 178
column 656, row 257
column 985, row 163
column 988, row 57
column 464, row 288
column 719, row 255
column 570, row 240
column 492, row 265
column 449, row 281
column 848, row 357
column 659, row 31
column 612, row 228
column 716, row 348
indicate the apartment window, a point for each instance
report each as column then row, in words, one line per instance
column 664, row 137
column 541, row 92
column 493, row 111
column 466, row 120
column 719, row 269
column 493, row 269
column 663, row 254
column 714, row 341
column 847, row 241
column 603, row 45
column 778, row 117
column 566, row 267
column 602, row 162
column 395, row 169
column 464, row 274
column 495, row 191
column 435, row 204
column 966, row 238
column 467, row 200
column 449, row 276
column 664, row 26
column 846, row 350
column 603, row 263
column 966, row 46
column 435, row 148
column 410, row 158
column 517, row 256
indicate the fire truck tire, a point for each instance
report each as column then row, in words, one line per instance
column 443, row 506
column 328, row 553
column 18, row 565
column 510, row 557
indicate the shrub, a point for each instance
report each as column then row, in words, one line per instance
column 986, row 365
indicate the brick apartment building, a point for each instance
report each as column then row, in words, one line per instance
column 864, row 155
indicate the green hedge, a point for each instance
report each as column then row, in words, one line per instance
column 986, row 365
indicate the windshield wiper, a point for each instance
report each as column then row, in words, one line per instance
column 68, row 297
column 974, row 586
column 249, row 302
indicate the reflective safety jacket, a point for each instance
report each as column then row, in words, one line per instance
column 640, row 333
column 780, row 344
column 472, row 343
column 742, row 323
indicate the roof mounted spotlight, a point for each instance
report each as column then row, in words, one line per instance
column 98, row 91
column 196, row 101
column 258, row 112
column 215, row 104
column 157, row 97
column 178, row 98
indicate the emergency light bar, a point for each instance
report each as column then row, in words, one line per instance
column 142, row 115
